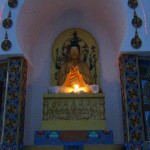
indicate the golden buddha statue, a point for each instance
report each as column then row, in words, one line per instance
column 74, row 72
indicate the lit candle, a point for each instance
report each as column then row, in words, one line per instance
column 76, row 88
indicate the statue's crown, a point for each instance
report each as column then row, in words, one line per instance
column 74, row 42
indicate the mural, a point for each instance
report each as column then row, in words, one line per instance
column 15, row 104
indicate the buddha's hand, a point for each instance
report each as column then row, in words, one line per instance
column 74, row 74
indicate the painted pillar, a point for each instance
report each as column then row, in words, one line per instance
column 15, row 104
column 131, row 102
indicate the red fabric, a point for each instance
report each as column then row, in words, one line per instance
column 73, row 136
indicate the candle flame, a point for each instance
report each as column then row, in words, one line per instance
column 76, row 88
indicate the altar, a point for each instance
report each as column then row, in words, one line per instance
column 73, row 119
column 74, row 106
column 74, row 112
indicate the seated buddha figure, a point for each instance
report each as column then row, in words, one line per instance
column 74, row 71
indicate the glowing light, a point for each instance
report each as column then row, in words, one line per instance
column 76, row 88
column 145, row 21
column 74, row 83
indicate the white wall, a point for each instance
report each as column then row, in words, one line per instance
column 144, row 31
column 40, row 22
column 12, row 35
column 39, row 76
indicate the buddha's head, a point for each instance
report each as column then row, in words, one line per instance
column 74, row 51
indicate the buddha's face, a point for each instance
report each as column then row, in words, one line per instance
column 74, row 53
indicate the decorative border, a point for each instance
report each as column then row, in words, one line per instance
column 15, row 105
column 22, row 103
column 124, row 106
column 131, row 102
column 49, row 137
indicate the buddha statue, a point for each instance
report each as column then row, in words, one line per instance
column 74, row 72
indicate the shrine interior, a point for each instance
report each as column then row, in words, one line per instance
column 75, row 74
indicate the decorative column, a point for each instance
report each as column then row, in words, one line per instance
column 131, row 103
column 15, row 104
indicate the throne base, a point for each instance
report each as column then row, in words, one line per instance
column 72, row 137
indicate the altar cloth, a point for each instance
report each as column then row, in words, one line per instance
column 51, row 137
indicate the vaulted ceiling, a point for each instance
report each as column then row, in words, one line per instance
column 36, row 16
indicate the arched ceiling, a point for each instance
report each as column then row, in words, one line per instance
column 36, row 16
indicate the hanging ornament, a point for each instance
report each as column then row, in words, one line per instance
column 6, row 44
column 136, row 42
column 7, row 23
column 12, row 3
column 136, row 21
column 9, row 14
column 132, row 3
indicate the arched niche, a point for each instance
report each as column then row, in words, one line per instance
column 38, row 25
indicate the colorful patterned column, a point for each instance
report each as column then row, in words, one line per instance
column 15, row 104
column 131, row 102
